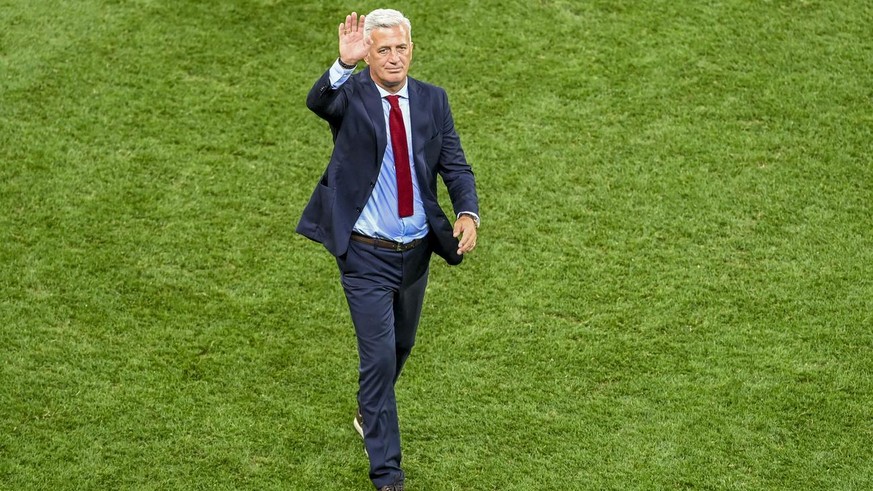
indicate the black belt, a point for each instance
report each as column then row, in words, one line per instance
column 386, row 244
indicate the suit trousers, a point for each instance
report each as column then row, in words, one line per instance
column 385, row 291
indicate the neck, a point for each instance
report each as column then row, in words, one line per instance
column 394, row 88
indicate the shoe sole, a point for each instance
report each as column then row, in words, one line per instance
column 360, row 431
column 358, row 427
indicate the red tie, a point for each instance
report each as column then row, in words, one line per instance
column 401, row 157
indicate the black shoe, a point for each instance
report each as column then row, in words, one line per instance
column 398, row 486
column 358, row 423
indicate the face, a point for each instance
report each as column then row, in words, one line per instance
column 389, row 57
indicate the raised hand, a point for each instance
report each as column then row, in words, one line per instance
column 353, row 45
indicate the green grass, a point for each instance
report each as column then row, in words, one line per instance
column 672, row 289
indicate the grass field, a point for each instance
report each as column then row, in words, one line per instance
column 672, row 288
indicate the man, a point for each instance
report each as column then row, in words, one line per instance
column 375, row 209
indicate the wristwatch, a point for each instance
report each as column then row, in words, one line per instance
column 347, row 67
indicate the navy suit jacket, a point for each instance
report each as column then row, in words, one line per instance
column 356, row 118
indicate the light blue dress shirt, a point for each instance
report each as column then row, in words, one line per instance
column 379, row 217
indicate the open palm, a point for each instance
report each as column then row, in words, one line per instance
column 353, row 45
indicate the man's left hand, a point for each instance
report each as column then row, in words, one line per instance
column 465, row 227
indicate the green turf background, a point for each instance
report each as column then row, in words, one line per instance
column 672, row 288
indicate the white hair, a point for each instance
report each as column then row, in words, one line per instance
column 388, row 18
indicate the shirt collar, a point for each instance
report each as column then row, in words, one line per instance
column 403, row 93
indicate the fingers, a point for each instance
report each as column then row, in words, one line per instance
column 468, row 238
column 465, row 247
column 353, row 24
column 346, row 27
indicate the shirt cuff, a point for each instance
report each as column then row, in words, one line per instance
column 472, row 215
column 338, row 74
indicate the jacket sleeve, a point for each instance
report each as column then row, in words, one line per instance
column 328, row 103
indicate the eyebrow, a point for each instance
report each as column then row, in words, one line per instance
column 387, row 46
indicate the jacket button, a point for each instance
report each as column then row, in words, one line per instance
column 357, row 208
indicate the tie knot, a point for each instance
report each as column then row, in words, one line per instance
column 392, row 100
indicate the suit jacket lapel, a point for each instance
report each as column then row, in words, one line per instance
column 421, row 128
column 373, row 106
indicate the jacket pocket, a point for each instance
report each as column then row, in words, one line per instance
column 321, row 207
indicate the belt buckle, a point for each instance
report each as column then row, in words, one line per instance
column 398, row 246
